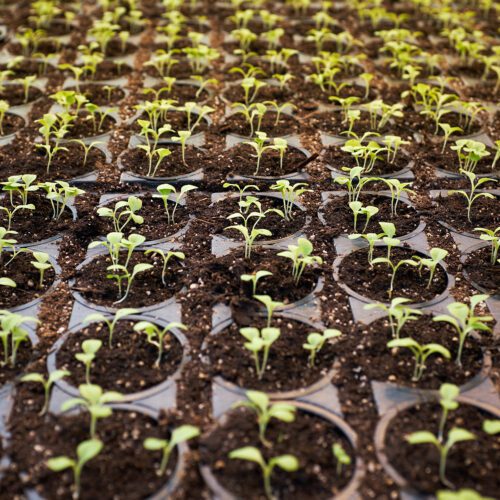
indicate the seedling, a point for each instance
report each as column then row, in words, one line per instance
column 165, row 256
column 265, row 410
column 472, row 195
column 270, row 306
column 462, row 494
column 316, row 341
column 394, row 268
column 448, row 130
column 46, row 383
column 398, row 313
column 59, row 193
column 87, row 356
column 288, row 463
column 341, row 456
column 164, row 192
column 290, row 193
column 397, row 188
column 259, row 145
column 121, row 273
column 431, row 263
column 41, row 263
column 156, row 335
column 13, row 334
column 456, row 435
column 22, row 185
column 355, row 182
column 491, row 427
column 493, row 237
column 420, row 352
column 86, row 451
column 257, row 341
column 254, row 278
column 462, row 317
column 95, row 401
column 86, row 148
column 358, row 209
column 4, row 107
column 124, row 212
column 301, row 257
column 241, row 190
column 109, row 321
column 180, row 435
column 182, row 137
column 11, row 212
column 448, row 394
column 469, row 153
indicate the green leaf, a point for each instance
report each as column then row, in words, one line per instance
column 88, row 450
column 184, row 433
column 491, row 426
column 422, row 437
column 288, row 463
column 58, row 464
column 155, row 444
column 249, row 453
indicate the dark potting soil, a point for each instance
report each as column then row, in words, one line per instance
column 278, row 226
column 28, row 67
column 448, row 160
column 124, row 469
column 242, row 160
column 420, row 123
column 35, row 225
column 396, row 365
column 452, row 210
column 136, row 161
column 27, row 279
column 470, row 464
column 180, row 93
column 237, row 124
column 116, row 48
column 482, row 272
column 8, row 372
column 180, row 70
column 339, row 159
column 128, row 366
column 309, row 438
column 339, row 217
column 155, row 225
column 11, row 124
column 100, row 95
column 15, row 94
column 178, row 120
column 235, row 93
column 84, row 126
column 22, row 157
column 108, row 70
column 221, row 277
column 147, row 288
column 374, row 282
column 233, row 362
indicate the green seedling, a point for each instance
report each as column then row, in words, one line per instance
column 46, row 383
column 88, row 354
column 316, row 341
column 341, row 456
column 13, row 334
column 257, row 341
column 110, row 322
column 165, row 191
column 254, row 278
column 165, row 256
column 301, row 257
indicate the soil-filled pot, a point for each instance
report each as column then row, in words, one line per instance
column 309, row 438
column 335, row 213
column 396, row 366
column 415, row 468
column 92, row 288
column 128, row 366
column 123, row 469
column 372, row 283
column 28, row 291
column 480, row 271
column 234, row 366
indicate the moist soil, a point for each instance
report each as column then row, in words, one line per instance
column 11, row 124
column 181, row 70
column 147, row 288
column 21, row 157
column 109, row 70
column 8, row 372
column 99, row 95
column 374, row 282
column 448, row 160
column 470, row 464
column 84, row 127
column 237, row 124
column 452, row 210
column 279, row 227
column 178, row 120
column 15, row 94
column 128, row 366
column 309, row 438
column 480, row 270
column 122, row 456
column 230, row 360
column 397, row 365
column 27, row 279
column 136, row 161
column 156, row 224
column 235, row 93
column 338, row 159
column 180, row 93
column 242, row 160
column 339, row 217
column 221, row 278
